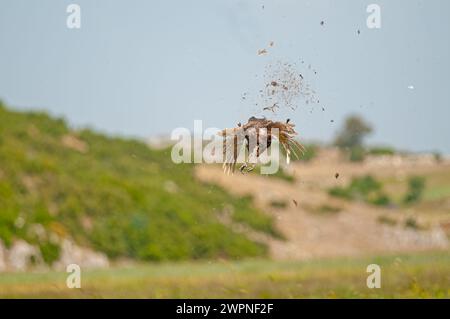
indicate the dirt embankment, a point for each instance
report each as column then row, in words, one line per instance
column 317, row 225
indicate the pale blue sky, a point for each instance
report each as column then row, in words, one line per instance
column 142, row 68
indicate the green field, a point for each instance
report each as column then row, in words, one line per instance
column 425, row 275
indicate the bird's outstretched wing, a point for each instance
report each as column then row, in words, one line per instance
column 233, row 141
column 287, row 139
column 257, row 135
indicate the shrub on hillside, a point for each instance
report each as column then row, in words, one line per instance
column 357, row 154
column 381, row 150
column 416, row 186
column 365, row 188
column 113, row 197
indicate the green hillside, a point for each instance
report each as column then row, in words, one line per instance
column 114, row 195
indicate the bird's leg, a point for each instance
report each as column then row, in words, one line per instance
column 243, row 167
column 251, row 168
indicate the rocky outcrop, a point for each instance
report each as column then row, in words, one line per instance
column 84, row 257
column 22, row 256
column 2, row 257
column 74, row 143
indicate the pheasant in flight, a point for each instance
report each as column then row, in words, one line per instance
column 257, row 136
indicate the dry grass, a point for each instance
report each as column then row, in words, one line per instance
column 315, row 224
column 404, row 276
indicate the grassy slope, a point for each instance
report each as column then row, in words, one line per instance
column 406, row 276
column 433, row 207
column 115, row 198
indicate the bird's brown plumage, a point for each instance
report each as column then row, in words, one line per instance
column 257, row 135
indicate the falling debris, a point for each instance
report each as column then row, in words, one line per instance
column 332, row 121
column 322, row 22
column 262, row 52
column 336, row 175
column 295, row 202
column 411, row 87
column 359, row 32
column 285, row 86
column 271, row 108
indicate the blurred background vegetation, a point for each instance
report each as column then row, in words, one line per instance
column 128, row 201
column 115, row 195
